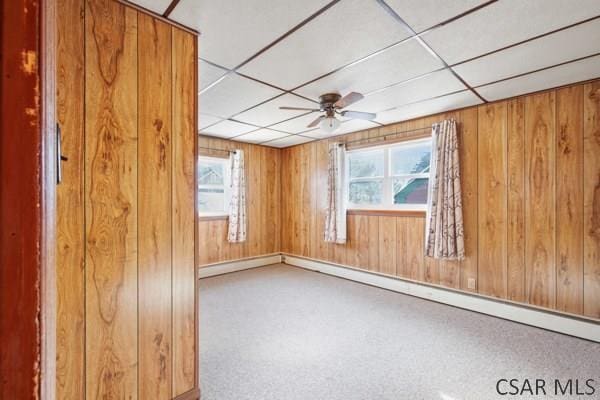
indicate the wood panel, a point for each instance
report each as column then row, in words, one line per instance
column 373, row 231
column 387, row 245
column 415, row 248
column 70, row 255
column 516, row 200
column 591, row 290
column 253, row 199
column 111, row 202
column 401, row 247
column 569, row 199
column 322, row 248
column 270, row 170
column 286, row 204
column 492, row 199
column 540, row 278
column 183, row 210
column 468, row 142
column 155, row 186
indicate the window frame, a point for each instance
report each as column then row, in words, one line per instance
column 387, row 203
column 226, row 186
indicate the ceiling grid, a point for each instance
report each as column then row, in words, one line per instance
column 402, row 55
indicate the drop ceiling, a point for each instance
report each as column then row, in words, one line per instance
column 409, row 58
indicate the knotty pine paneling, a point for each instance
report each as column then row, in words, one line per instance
column 111, row 201
column 529, row 165
column 591, row 187
column 70, row 263
column 263, row 191
column 183, row 206
column 126, row 298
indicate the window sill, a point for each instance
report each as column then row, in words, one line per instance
column 387, row 213
column 212, row 217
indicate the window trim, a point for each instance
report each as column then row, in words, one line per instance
column 387, row 198
column 226, row 187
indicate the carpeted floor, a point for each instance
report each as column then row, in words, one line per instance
column 283, row 333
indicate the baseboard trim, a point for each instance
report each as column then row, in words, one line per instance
column 574, row 326
column 237, row 265
column 193, row 394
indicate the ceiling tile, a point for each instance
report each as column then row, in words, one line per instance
column 349, row 30
column 429, row 107
column 544, row 52
column 423, row 14
column 296, row 125
column 432, row 85
column 504, row 23
column 234, row 94
column 158, row 6
column 269, row 112
column 260, row 136
column 208, row 73
column 233, row 31
column 549, row 78
column 398, row 63
column 228, row 129
column 288, row 141
column 205, row 120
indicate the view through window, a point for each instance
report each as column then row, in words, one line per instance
column 213, row 186
column 389, row 177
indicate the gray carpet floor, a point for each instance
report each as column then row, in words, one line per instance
column 283, row 333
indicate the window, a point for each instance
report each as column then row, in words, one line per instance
column 389, row 177
column 213, row 186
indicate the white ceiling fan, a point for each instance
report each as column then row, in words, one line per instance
column 332, row 104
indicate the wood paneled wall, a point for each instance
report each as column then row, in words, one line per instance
column 126, row 251
column 262, row 201
column 531, row 201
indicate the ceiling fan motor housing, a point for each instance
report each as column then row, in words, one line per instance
column 329, row 99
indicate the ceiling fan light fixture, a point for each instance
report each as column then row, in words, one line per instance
column 329, row 124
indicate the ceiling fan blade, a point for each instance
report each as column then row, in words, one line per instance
column 299, row 108
column 316, row 122
column 348, row 99
column 359, row 115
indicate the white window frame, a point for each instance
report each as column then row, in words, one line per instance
column 387, row 203
column 226, row 186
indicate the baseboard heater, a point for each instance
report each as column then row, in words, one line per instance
column 566, row 324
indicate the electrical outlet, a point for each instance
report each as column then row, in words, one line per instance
column 471, row 283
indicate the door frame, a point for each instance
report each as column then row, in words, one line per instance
column 27, row 200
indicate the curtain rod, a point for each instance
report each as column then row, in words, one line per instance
column 384, row 136
column 213, row 149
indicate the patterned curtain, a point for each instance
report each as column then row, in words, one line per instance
column 237, row 206
column 445, row 232
column 335, row 220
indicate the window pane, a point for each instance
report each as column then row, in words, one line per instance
column 410, row 190
column 366, row 164
column 211, row 200
column 369, row 192
column 411, row 159
column 210, row 173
